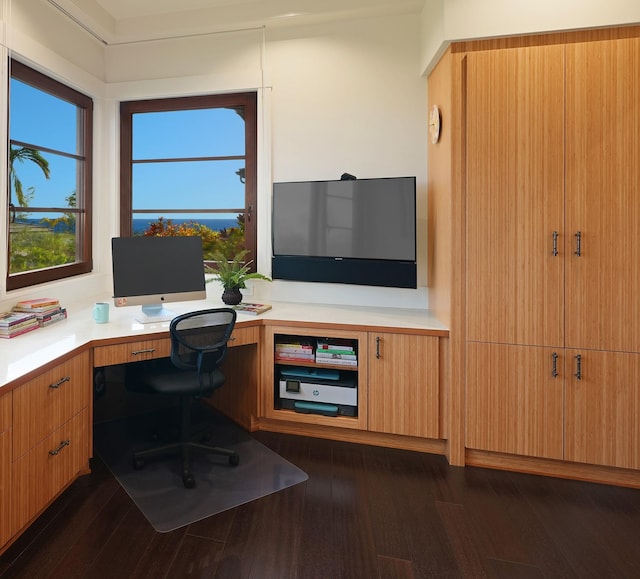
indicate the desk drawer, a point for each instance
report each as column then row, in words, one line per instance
column 48, row 401
column 159, row 348
column 243, row 336
column 131, row 352
column 43, row 472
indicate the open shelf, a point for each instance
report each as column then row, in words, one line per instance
column 305, row 390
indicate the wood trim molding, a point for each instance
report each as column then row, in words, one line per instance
column 554, row 468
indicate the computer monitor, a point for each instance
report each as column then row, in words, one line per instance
column 151, row 271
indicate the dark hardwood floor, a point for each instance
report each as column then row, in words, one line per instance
column 365, row 512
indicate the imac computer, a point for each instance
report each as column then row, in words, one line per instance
column 151, row 271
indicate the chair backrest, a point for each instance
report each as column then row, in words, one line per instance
column 199, row 339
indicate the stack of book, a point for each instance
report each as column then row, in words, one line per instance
column 300, row 350
column 46, row 310
column 13, row 324
column 336, row 352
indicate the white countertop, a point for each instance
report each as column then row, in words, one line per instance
column 23, row 354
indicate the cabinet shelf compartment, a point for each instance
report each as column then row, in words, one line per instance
column 304, row 390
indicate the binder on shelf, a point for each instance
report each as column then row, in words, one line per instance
column 316, row 408
column 310, row 373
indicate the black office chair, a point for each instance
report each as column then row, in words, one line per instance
column 198, row 347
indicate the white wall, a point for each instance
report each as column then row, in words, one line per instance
column 348, row 97
column 338, row 97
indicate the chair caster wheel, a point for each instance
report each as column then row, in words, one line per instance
column 234, row 459
column 138, row 463
column 188, row 481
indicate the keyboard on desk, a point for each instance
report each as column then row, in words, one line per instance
column 155, row 319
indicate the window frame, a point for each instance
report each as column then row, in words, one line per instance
column 83, row 209
column 246, row 99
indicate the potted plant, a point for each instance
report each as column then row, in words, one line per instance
column 233, row 274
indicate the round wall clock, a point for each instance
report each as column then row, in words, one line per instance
column 434, row 124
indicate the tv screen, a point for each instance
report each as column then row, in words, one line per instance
column 150, row 271
column 346, row 231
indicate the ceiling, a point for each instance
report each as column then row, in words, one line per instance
column 121, row 21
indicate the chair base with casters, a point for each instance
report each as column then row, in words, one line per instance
column 189, row 377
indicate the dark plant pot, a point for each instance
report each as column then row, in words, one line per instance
column 232, row 296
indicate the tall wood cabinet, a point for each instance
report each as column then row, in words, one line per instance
column 602, row 195
column 550, row 245
column 515, row 195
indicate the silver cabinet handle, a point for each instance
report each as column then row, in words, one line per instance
column 578, row 250
column 578, row 373
column 554, row 365
column 147, row 351
column 555, row 244
column 378, row 340
column 60, row 382
column 56, row 451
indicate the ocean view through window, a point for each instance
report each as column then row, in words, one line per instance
column 188, row 167
column 49, row 200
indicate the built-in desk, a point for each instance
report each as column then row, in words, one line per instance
column 46, row 385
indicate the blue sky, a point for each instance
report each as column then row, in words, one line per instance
column 38, row 118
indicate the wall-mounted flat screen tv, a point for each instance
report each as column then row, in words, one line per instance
column 360, row 231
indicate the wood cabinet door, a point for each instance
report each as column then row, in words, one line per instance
column 603, row 195
column 515, row 195
column 404, row 384
column 602, row 423
column 5, row 466
column 514, row 403
column 48, row 401
column 39, row 475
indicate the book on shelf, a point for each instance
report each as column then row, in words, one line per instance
column 291, row 350
column 336, row 344
column 333, row 355
column 304, row 356
column 334, row 351
column 251, row 308
column 8, row 319
column 299, row 348
column 37, row 303
column 336, row 361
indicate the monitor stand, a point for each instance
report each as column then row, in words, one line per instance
column 155, row 313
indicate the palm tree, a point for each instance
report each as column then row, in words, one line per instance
column 21, row 154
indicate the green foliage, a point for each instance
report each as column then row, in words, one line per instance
column 20, row 155
column 34, row 247
column 228, row 241
column 232, row 273
column 31, row 246
column 68, row 219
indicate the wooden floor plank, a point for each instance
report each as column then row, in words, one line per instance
column 196, row 557
column 390, row 568
column 405, row 519
column 364, row 512
column 83, row 512
column 106, row 545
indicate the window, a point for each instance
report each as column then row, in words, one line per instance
column 50, row 139
column 188, row 167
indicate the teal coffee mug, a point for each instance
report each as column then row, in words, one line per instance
column 101, row 312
